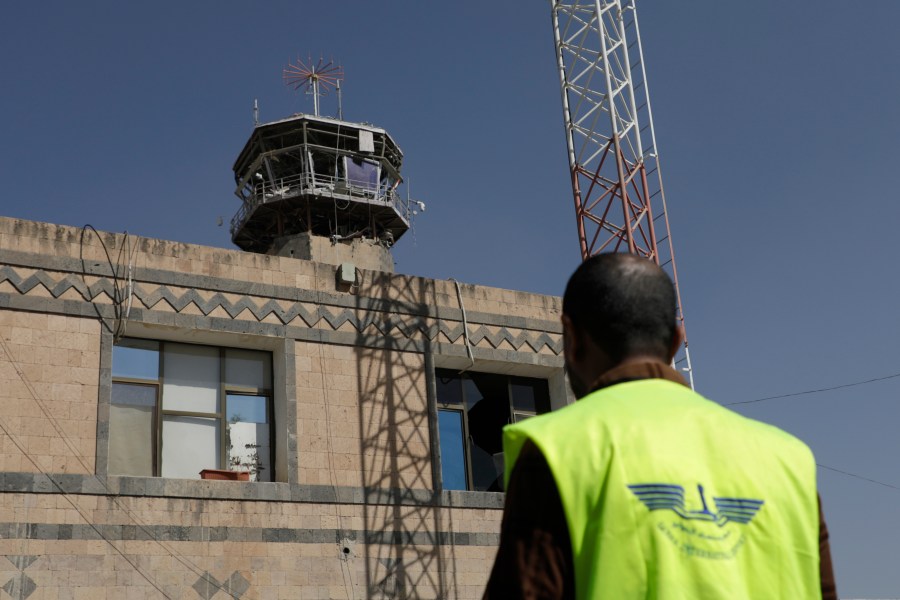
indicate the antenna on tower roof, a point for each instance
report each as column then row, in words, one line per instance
column 340, row 101
column 255, row 112
column 315, row 79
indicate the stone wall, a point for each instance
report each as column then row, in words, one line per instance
column 49, row 377
column 356, row 508
column 104, row 546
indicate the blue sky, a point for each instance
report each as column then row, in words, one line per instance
column 777, row 125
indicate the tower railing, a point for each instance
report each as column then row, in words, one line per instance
column 321, row 186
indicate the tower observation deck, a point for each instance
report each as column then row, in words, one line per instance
column 319, row 177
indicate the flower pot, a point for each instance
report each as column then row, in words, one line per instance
column 225, row 475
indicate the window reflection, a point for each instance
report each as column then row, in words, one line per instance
column 248, row 435
column 453, row 460
column 136, row 359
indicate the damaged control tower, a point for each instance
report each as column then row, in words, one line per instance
column 319, row 188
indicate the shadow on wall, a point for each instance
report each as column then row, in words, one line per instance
column 404, row 550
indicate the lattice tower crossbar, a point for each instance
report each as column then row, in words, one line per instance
column 616, row 180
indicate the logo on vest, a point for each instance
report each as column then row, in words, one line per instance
column 699, row 539
column 662, row 496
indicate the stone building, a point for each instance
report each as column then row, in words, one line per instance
column 365, row 406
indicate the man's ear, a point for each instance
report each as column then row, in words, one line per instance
column 677, row 339
column 573, row 345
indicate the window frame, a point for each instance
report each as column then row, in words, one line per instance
column 462, row 407
column 223, row 390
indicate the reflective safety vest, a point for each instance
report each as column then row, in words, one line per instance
column 669, row 495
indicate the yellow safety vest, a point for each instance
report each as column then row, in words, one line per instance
column 668, row 495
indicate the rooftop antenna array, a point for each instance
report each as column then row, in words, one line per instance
column 313, row 78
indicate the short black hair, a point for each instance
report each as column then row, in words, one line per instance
column 625, row 303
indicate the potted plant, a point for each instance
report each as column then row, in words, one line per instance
column 245, row 464
column 225, row 475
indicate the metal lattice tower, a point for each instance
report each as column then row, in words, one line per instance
column 613, row 156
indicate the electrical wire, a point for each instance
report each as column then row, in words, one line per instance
column 55, row 483
column 81, row 512
column 462, row 308
column 122, row 298
column 346, row 576
column 109, row 261
column 60, row 432
column 827, row 389
column 129, row 287
column 849, row 474
column 187, row 563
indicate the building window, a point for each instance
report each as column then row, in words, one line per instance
column 472, row 410
column 177, row 409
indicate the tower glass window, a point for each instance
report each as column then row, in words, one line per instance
column 177, row 409
column 472, row 410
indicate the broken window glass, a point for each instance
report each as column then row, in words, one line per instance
column 361, row 173
column 483, row 403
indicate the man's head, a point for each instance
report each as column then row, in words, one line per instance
column 617, row 308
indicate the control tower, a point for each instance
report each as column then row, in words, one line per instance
column 321, row 189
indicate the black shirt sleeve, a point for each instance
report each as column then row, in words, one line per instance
column 826, row 571
column 535, row 556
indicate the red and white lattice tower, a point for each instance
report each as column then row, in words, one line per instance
column 613, row 156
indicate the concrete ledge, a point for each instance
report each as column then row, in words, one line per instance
column 282, row 535
column 158, row 487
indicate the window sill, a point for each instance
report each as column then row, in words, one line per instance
column 472, row 499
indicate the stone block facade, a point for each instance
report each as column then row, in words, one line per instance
column 356, row 507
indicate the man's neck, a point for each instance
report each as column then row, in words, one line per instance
column 640, row 358
column 635, row 370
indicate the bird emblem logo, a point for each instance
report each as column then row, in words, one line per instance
column 666, row 496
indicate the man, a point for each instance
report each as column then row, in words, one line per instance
column 644, row 489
